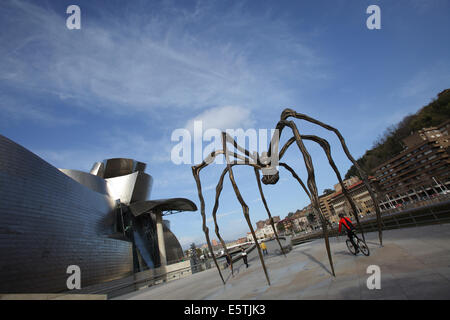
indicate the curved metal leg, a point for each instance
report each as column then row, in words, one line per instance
column 245, row 208
column 267, row 209
column 214, row 214
column 196, row 172
column 311, row 182
column 296, row 177
column 326, row 147
column 291, row 113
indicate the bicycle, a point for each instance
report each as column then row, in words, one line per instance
column 360, row 243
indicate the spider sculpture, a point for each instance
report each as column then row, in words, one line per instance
column 265, row 163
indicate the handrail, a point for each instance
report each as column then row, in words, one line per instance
column 432, row 214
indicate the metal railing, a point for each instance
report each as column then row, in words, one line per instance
column 411, row 217
column 418, row 203
column 434, row 212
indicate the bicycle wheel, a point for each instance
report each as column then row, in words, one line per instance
column 363, row 247
column 350, row 247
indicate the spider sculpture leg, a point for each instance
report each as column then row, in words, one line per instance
column 326, row 147
column 245, row 208
column 214, row 214
column 291, row 113
column 283, row 150
column 311, row 182
column 216, row 206
column 196, row 173
column 301, row 183
column 288, row 168
column 267, row 209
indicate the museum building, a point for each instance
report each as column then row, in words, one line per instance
column 101, row 221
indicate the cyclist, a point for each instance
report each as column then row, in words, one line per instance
column 349, row 227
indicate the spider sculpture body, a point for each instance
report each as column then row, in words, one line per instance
column 265, row 163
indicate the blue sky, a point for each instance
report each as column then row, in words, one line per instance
column 138, row 70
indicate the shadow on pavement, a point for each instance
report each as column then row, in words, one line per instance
column 313, row 259
column 344, row 253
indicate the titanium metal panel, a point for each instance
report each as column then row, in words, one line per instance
column 91, row 181
column 121, row 166
column 49, row 221
column 174, row 252
column 130, row 188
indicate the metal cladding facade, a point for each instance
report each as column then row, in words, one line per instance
column 51, row 219
column 49, row 222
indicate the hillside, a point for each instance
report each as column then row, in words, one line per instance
column 390, row 143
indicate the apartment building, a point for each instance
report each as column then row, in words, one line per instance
column 264, row 228
column 327, row 208
column 420, row 171
column 361, row 197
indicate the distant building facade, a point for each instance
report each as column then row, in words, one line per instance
column 264, row 228
column 260, row 224
column 286, row 224
column 420, row 171
column 242, row 240
column 360, row 196
column 327, row 208
column 347, row 183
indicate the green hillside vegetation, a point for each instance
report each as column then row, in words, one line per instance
column 390, row 143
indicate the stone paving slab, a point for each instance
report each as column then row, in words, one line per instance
column 414, row 264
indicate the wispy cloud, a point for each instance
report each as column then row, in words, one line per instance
column 186, row 241
column 163, row 63
column 224, row 214
column 222, row 118
column 421, row 83
column 111, row 144
column 17, row 110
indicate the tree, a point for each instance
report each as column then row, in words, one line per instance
column 280, row 227
column 195, row 260
column 302, row 224
column 311, row 218
column 328, row 191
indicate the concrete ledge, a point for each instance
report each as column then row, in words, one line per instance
column 138, row 281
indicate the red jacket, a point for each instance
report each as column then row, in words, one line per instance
column 347, row 223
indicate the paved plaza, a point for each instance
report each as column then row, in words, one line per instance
column 414, row 264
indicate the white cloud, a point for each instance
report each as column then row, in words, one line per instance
column 222, row 118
